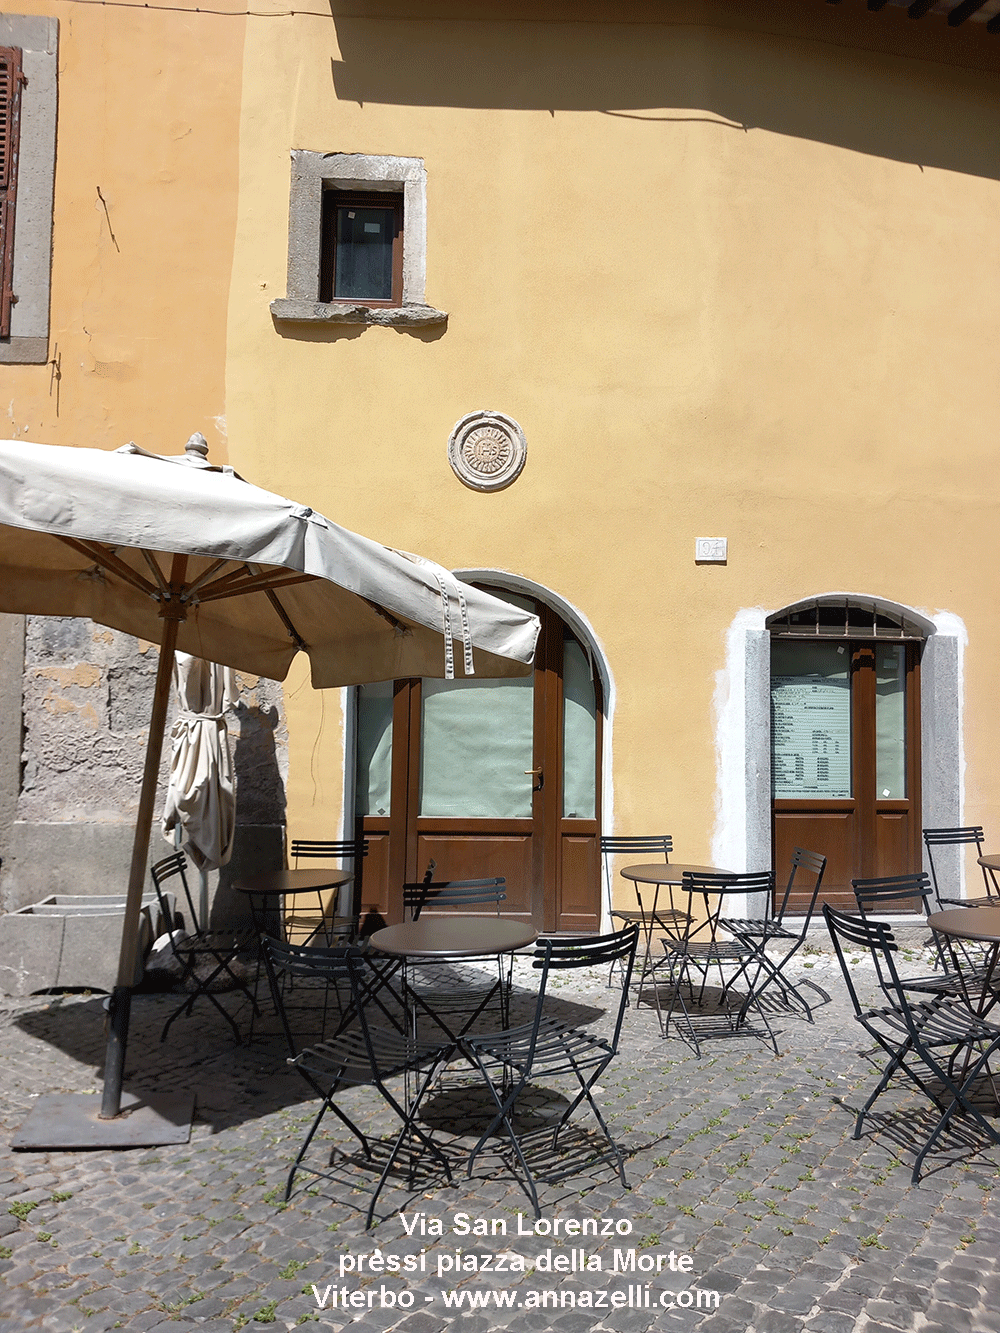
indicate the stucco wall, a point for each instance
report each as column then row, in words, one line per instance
column 145, row 202
column 733, row 271
column 142, row 238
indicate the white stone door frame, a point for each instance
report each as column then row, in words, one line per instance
column 741, row 838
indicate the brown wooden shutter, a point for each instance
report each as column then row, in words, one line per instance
column 11, row 80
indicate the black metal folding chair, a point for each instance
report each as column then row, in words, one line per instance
column 969, row 835
column 328, row 849
column 349, row 852
column 548, row 1048
column 771, row 932
column 916, row 892
column 204, row 956
column 923, row 1039
column 359, row 1054
column 660, row 844
column 470, row 998
column 697, row 948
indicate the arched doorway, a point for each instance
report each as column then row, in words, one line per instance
column 489, row 777
column 845, row 738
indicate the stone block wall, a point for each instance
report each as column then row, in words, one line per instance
column 75, row 700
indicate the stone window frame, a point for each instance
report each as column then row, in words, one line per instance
column 312, row 173
column 38, row 39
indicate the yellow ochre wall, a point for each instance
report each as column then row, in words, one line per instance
column 733, row 273
column 148, row 122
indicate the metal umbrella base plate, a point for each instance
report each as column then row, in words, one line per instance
column 67, row 1121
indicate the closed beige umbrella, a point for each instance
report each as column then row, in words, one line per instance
column 199, row 813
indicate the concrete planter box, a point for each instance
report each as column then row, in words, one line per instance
column 69, row 940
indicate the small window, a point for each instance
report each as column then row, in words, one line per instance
column 362, row 248
column 357, row 242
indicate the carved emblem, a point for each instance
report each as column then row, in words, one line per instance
column 487, row 450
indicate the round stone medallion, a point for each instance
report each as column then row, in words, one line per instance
column 487, row 450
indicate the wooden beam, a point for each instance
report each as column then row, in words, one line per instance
column 963, row 11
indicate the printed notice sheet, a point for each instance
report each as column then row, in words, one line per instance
column 811, row 735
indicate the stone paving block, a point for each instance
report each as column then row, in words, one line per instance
column 897, row 1314
column 777, row 1321
column 950, row 1292
column 829, row 1321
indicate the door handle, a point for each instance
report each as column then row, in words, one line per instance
column 536, row 773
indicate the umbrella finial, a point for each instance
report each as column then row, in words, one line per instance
column 197, row 444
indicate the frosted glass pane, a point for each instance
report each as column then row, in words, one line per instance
column 810, row 719
column 374, row 779
column 476, row 746
column 579, row 733
column 890, row 722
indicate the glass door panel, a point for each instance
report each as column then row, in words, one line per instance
column 810, row 720
column 579, row 733
column 374, row 768
column 890, row 722
column 476, row 748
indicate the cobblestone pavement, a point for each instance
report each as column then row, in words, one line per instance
column 741, row 1163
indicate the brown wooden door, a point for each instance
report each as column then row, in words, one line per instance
column 491, row 778
column 846, row 759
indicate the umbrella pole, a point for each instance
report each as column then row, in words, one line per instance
column 121, row 996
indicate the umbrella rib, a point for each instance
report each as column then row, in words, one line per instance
column 157, row 572
column 283, row 616
column 203, row 578
column 285, row 620
column 215, row 589
column 214, row 593
column 397, row 625
column 103, row 557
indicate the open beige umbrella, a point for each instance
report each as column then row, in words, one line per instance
column 189, row 555
column 199, row 812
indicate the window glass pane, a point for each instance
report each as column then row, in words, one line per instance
column 810, row 719
column 476, row 748
column 364, row 253
column 890, row 722
column 579, row 733
column 374, row 749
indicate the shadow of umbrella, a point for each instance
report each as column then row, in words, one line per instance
column 234, row 1084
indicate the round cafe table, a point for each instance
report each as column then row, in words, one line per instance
column 453, row 938
column 991, row 865
column 667, row 872
column 692, row 941
column 444, row 937
column 269, row 891
column 982, row 926
column 669, row 919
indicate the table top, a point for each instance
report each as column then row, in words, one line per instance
column 278, row 882
column 990, row 862
column 968, row 923
column 662, row 872
column 453, row 937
